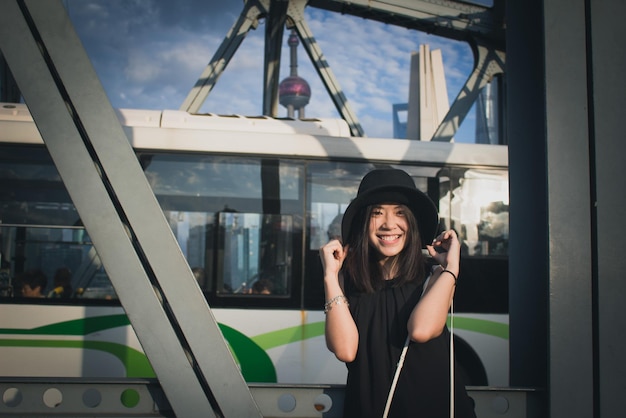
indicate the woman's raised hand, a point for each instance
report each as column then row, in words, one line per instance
column 332, row 255
column 448, row 249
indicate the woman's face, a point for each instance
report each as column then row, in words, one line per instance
column 388, row 229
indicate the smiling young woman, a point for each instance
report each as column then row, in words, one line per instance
column 381, row 291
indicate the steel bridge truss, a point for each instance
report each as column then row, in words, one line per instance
column 480, row 26
column 153, row 280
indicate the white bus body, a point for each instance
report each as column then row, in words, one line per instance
column 203, row 169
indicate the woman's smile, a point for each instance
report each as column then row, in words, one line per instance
column 389, row 238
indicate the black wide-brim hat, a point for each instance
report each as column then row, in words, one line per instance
column 391, row 185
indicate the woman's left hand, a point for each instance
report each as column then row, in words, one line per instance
column 446, row 249
column 428, row 318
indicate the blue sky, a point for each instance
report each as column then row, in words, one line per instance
column 149, row 54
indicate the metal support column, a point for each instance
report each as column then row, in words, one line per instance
column 565, row 130
column 274, row 29
column 569, row 207
column 606, row 32
column 149, row 272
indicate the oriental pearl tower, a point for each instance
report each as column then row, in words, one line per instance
column 294, row 92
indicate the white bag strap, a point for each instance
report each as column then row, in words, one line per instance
column 396, row 376
column 403, row 354
column 401, row 362
column 452, row 359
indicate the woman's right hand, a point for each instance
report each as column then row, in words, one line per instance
column 342, row 336
column 332, row 255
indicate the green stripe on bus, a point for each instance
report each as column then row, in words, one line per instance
column 481, row 326
column 289, row 335
column 255, row 364
column 300, row 333
column 135, row 362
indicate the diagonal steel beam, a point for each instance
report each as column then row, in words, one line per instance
column 248, row 19
column 296, row 14
column 149, row 272
column 274, row 29
column 450, row 19
column 489, row 62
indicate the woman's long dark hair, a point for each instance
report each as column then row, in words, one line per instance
column 361, row 264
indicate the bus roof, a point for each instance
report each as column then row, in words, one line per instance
column 264, row 136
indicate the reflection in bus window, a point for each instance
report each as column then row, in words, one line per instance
column 214, row 205
column 331, row 187
column 50, row 249
column 31, row 190
column 478, row 206
column 6, row 285
column 257, row 252
column 192, row 231
column 97, row 287
column 231, row 183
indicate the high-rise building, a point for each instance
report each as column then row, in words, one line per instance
column 487, row 117
column 428, row 97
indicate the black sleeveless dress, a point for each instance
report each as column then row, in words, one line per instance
column 423, row 389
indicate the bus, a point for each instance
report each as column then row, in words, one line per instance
column 250, row 200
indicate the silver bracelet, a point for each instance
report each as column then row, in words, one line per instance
column 337, row 300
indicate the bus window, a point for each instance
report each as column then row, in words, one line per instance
column 31, row 190
column 54, row 249
column 192, row 190
column 6, row 287
column 257, row 253
column 238, row 221
column 331, row 187
column 98, row 286
column 209, row 183
column 193, row 230
column 477, row 203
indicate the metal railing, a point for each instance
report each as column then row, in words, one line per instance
column 51, row 397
